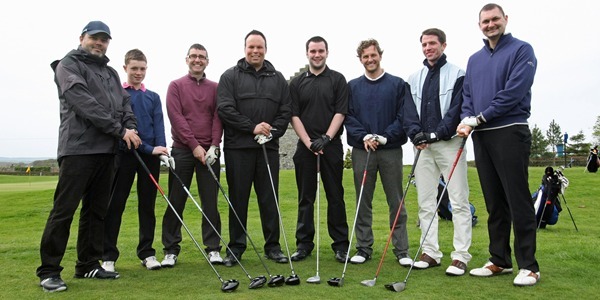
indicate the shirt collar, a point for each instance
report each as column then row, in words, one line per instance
column 127, row 85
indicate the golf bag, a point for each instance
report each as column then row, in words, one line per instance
column 445, row 208
column 593, row 162
column 546, row 198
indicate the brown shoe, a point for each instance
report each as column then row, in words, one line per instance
column 490, row 269
column 425, row 261
column 457, row 268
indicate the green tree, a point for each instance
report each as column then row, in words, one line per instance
column 577, row 144
column 348, row 159
column 539, row 144
column 554, row 136
column 596, row 131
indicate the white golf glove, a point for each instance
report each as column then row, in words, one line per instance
column 367, row 137
column 261, row 138
column 212, row 155
column 470, row 121
column 380, row 138
column 167, row 161
column 473, row 121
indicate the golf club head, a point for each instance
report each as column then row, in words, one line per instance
column 314, row 279
column 339, row 282
column 257, row 282
column 368, row 282
column 229, row 285
column 276, row 281
column 396, row 286
column 292, row 280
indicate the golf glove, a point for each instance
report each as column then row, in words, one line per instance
column 261, row 138
column 367, row 137
column 432, row 137
column 167, row 161
column 212, row 155
column 382, row 140
column 473, row 121
column 320, row 143
column 420, row 138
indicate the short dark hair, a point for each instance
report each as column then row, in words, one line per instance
column 317, row 39
column 197, row 47
column 135, row 54
column 491, row 6
column 434, row 31
column 366, row 44
column 255, row 32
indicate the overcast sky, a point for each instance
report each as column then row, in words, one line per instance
column 34, row 33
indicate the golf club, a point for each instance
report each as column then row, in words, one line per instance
column 410, row 176
column 401, row 286
column 256, row 282
column 274, row 281
column 339, row 282
column 226, row 285
column 293, row 279
column 316, row 278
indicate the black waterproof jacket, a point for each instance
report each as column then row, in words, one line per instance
column 246, row 97
column 94, row 107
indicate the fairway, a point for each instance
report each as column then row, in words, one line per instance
column 563, row 253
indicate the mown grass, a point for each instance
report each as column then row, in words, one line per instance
column 566, row 256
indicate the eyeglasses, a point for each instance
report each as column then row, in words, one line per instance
column 194, row 56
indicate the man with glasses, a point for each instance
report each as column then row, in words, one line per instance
column 196, row 131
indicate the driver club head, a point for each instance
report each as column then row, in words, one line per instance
column 339, row 282
column 257, row 282
column 276, row 281
column 229, row 285
column 396, row 286
column 368, row 282
column 314, row 279
column 292, row 280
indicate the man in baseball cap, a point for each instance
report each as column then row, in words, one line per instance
column 95, row 27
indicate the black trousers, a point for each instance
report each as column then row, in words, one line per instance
column 82, row 178
column 331, row 169
column 246, row 167
column 502, row 158
column 127, row 167
column 185, row 165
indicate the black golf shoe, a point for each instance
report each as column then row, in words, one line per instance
column 99, row 273
column 230, row 260
column 277, row 256
column 53, row 284
column 300, row 254
column 341, row 255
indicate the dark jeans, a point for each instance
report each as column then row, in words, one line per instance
column 185, row 165
column 128, row 167
column 244, row 168
column 331, row 169
column 85, row 178
column 502, row 157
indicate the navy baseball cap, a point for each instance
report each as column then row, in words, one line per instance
column 94, row 27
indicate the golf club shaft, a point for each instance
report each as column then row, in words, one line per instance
column 362, row 186
column 318, row 207
column 287, row 248
column 410, row 176
column 458, row 155
column 176, row 214
column 206, row 217
column 239, row 221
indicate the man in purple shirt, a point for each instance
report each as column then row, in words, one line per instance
column 196, row 131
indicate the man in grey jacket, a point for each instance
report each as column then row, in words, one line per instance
column 95, row 115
